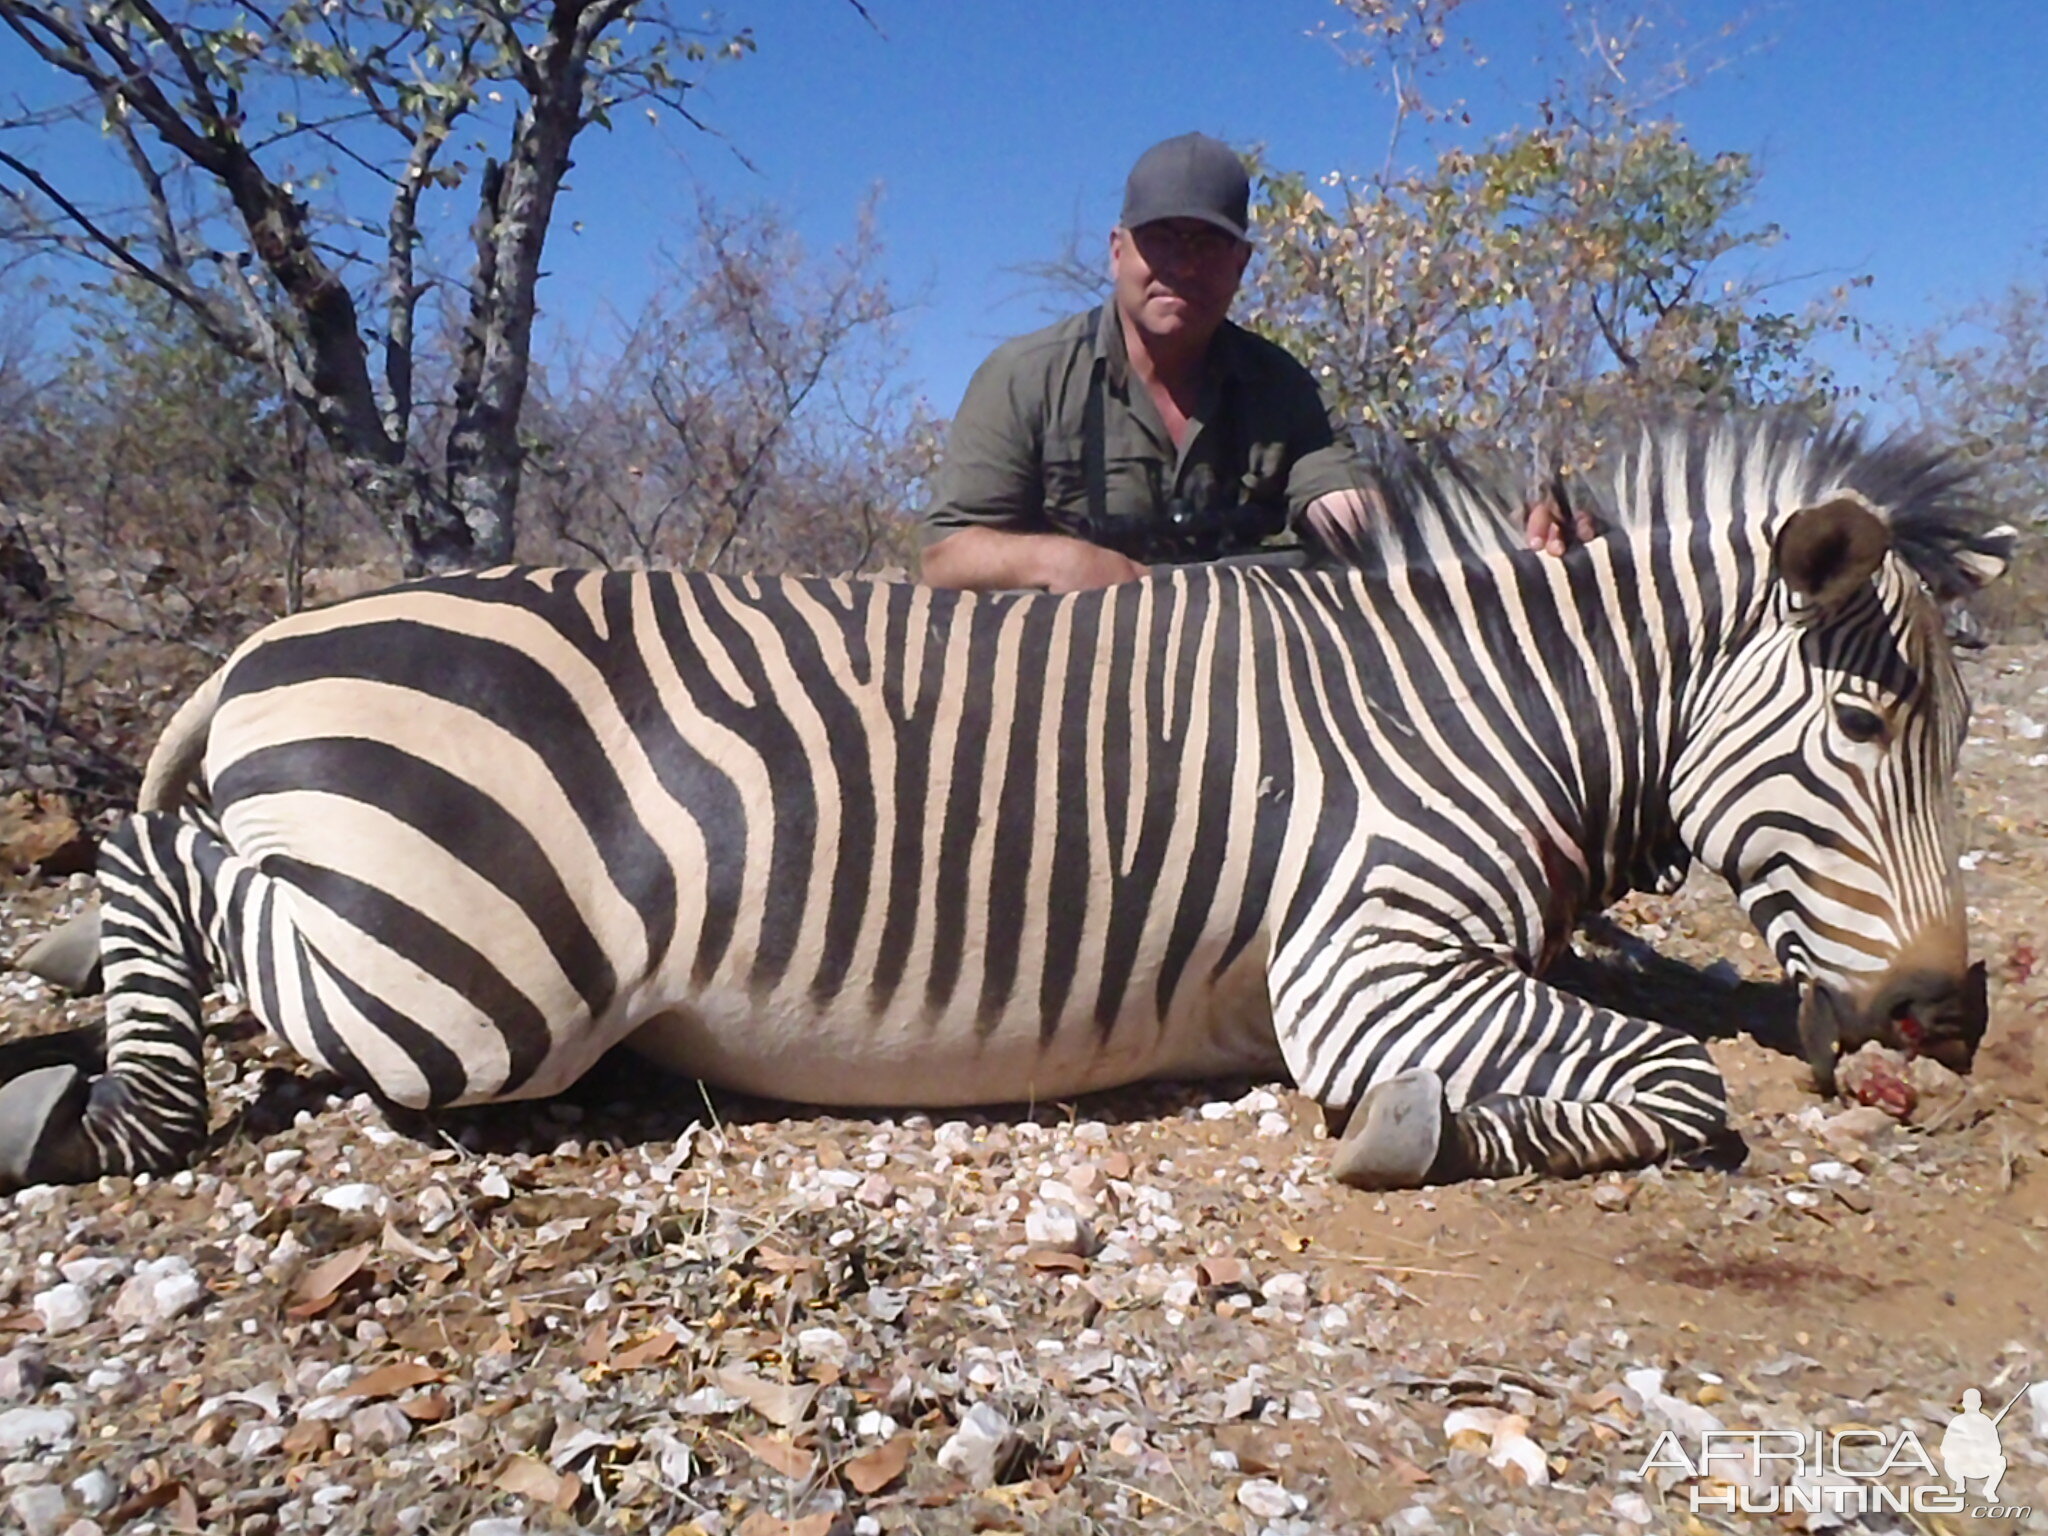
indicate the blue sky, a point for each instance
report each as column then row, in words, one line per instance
column 1906, row 141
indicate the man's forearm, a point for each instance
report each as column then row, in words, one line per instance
column 999, row 559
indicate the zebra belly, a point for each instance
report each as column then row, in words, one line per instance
column 845, row 1053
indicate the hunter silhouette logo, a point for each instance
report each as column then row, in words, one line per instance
column 1843, row 1470
column 1970, row 1446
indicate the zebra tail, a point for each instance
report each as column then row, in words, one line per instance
column 174, row 762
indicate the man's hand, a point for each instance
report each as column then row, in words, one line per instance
column 1546, row 527
column 997, row 559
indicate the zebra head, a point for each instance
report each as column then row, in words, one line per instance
column 1818, row 775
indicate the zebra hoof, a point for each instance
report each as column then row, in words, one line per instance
column 68, row 957
column 1394, row 1134
column 40, row 1113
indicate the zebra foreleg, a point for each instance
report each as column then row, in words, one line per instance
column 1405, row 1134
column 1476, row 1070
column 146, row 1111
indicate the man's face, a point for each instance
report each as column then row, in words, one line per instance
column 1175, row 278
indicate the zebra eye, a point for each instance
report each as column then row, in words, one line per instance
column 1859, row 724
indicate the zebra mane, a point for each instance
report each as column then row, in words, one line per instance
column 1443, row 508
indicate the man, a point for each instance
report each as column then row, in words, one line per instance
column 1151, row 428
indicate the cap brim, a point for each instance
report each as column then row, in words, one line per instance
column 1138, row 218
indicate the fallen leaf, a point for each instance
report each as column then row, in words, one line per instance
column 567, row 1494
column 658, row 1345
column 1056, row 1478
column 877, row 1469
column 597, row 1344
column 308, row 1437
column 1225, row 1273
column 390, row 1380
column 783, row 1263
column 762, row 1523
column 427, row 1408
column 143, row 1503
column 318, row 1286
column 777, row 1402
column 793, row 1463
column 529, row 1477
column 396, row 1242
column 1054, row 1258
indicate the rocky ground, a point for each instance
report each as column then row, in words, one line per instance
column 645, row 1310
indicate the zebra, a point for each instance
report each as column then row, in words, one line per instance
column 869, row 843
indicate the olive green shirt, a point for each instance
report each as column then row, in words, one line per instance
column 1261, row 435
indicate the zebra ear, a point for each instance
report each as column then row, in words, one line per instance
column 1983, row 559
column 1829, row 550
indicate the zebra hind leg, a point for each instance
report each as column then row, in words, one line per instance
column 74, row 1116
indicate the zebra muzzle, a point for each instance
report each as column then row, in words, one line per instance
column 1915, row 1012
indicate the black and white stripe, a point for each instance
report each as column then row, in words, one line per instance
column 873, row 843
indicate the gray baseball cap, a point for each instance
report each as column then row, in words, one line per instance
column 1191, row 177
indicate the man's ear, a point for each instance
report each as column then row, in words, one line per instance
column 1828, row 551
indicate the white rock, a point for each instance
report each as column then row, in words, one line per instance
column 1216, row 1109
column 826, row 1344
column 283, row 1159
column 497, row 1526
column 94, row 1490
column 436, row 1208
column 1273, row 1124
column 252, row 1442
column 979, row 1448
column 1055, row 1226
column 40, row 1509
column 1415, row 1520
column 494, row 1186
column 1284, row 1289
column 160, row 1291
column 1522, row 1453
column 1266, row 1498
column 1634, row 1508
column 22, row 1374
column 707, row 1402
column 353, row 1197
column 2037, row 1405
column 379, row 1427
column 93, row 1274
column 1689, row 1419
column 25, row 1429
column 875, row 1425
column 63, row 1308
column 1240, row 1398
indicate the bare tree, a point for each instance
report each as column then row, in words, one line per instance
column 231, row 119
column 751, row 417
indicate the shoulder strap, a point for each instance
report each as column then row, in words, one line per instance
column 1094, row 444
